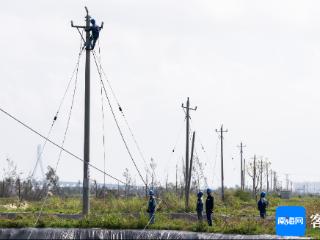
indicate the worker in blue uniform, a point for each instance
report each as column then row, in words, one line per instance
column 209, row 206
column 262, row 205
column 199, row 207
column 152, row 204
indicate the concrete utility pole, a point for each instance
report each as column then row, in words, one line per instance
column 261, row 172
column 221, row 131
column 275, row 181
column 244, row 173
column 267, row 173
column 271, row 179
column 187, row 107
column 86, row 149
column 191, row 161
column 241, row 166
column 254, row 177
column 287, row 182
column 176, row 178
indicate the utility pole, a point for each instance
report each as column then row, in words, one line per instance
column 176, row 178
column 191, row 161
column 221, row 131
column 254, row 177
column 241, row 167
column 275, row 181
column 287, row 182
column 187, row 107
column 271, row 179
column 86, row 149
column 267, row 171
column 244, row 173
column 261, row 171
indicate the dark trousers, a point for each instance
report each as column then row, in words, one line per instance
column 199, row 215
column 151, row 217
column 263, row 214
column 209, row 218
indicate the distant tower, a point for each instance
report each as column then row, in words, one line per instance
column 38, row 162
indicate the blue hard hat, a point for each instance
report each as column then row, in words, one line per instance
column 151, row 193
column 262, row 194
column 93, row 21
column 209, row 190
column 200, row 194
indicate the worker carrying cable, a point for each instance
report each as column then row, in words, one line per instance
column 95, row 29
column 152, row 204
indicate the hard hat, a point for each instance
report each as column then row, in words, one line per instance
column 262, row 194
column 200, row 194
column 151, row 193
column 209, row 190
column 93, row 21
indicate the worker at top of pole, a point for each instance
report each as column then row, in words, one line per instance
column 95, row 29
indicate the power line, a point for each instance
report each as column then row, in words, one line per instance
column 116, row 121
column 122, row 113
column 57, row 145
column 59, row 108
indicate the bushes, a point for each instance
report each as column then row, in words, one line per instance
column 243, row 195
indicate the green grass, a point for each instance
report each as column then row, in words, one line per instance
column 238, row 215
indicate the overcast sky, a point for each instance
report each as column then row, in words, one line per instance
column 250, row 65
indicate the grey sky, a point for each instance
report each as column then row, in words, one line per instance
column 251, row 65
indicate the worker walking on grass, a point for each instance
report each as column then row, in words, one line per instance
column 262, row 205
column 209, row 206
column 199, row 206
column 152, row 204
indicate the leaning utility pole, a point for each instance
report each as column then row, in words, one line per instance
column 191, row 162
column 86, row 149
column 187, row 107
column 241, row 168
column 221, row 131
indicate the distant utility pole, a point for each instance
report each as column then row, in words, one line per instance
column 176, row 178
column 254, row 177
column 244, row 173
column 267, row 172
column 221, row 131
column 261, row 172
column 271, row 179
column 241, row 166
column 287, row 182
column 86, row 149
column 187, row 107
column 275, row 181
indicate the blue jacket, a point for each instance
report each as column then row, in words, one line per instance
column 95, row 29
column 152, row 205
column 209, row 204
column 262, row 204
column 199, row 205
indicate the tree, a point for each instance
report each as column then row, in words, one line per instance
column 128, row 180
column 52, row 180
column 9, row 179
column 153, row 166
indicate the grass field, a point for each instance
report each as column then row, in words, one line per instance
column 237, row 215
